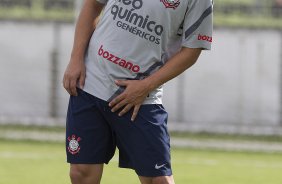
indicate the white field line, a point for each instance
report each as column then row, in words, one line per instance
column 191, row 161
column 259, row 164
column 32, row 135
column 27, row 155
column 238, row 163
column 229, row 145
column 178, row 142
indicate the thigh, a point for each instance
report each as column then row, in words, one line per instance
column 86, row 173
column 145, row 180
column 89, row 138
column 156, row 180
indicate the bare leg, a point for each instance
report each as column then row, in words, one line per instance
column 157, row 180
column 145, row 180
column 86, row 173
column 163, row 180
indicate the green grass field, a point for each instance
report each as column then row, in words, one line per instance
column 28, row 162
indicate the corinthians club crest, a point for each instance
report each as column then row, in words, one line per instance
column 171, row 3
column 74, row 147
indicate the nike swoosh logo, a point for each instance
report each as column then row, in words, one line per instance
column 159, row 166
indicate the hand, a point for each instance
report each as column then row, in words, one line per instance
column 74, row 74
column 133, row 96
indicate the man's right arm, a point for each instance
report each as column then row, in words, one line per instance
column 75, row 72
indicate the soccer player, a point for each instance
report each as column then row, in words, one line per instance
column 115, row 77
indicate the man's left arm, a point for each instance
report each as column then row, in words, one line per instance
column 197, row 35
column 137, row 90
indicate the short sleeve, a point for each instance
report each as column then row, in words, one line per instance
column 102, row 1
column 198, row 24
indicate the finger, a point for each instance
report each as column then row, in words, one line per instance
column 125, row 109
column 135, row 112
column 73, row 87
column 116, row 100
column 119, row 105
column 121, row 82
column 67, row 84
column 82, row 80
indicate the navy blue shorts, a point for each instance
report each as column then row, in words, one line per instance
column 93, row 132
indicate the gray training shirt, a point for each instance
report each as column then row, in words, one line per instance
column 134, row 38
